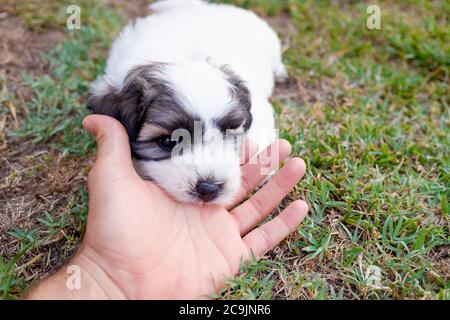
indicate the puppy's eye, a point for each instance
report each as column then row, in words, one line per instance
column 233, row 127
column 166, row 143
column 235, row 124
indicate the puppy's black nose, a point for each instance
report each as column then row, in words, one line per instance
column 207, row 190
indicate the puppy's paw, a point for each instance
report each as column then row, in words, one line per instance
column 281, row 73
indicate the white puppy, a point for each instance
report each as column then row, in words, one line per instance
column 180, row 76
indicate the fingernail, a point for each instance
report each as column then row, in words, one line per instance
column 87, row 124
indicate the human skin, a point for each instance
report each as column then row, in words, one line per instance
column 141, row 244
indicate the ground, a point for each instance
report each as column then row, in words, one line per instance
column 368, row 110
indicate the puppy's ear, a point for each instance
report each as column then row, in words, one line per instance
column 129, row 103
column 239, row 92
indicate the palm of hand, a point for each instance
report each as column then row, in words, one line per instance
column 184, row 242
column 154, row 247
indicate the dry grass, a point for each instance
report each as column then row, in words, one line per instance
column 36, row 179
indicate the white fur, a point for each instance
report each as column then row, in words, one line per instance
column 180, row 174
column 194, row 36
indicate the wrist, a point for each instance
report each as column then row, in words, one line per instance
column 82, row 278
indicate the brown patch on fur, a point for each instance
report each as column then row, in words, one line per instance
column 151, row 131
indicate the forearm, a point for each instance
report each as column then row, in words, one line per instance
column 80, row 279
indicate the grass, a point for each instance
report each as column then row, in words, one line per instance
column 368, row 110
column 55, row 112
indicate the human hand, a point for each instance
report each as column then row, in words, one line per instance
column 141, row 244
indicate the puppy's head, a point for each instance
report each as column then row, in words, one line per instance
column 185, row 122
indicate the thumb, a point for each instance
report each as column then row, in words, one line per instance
column 113, row 146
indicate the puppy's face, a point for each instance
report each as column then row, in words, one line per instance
column 186, row 123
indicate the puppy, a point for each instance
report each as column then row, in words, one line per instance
column 196, row 78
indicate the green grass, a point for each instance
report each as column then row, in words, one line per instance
column 55, row 114
column 369, row 114
column 58, row 105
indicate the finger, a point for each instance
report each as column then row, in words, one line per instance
column 258, row 207
column 112, row 140
column 249, row 149
column 257, row 168
column 264, row 238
